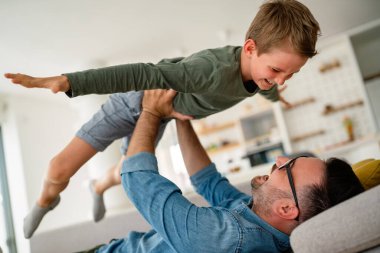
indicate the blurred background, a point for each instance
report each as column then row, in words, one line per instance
column 336, row 110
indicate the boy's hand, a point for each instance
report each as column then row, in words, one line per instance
column 54, row 83
column 160, row 104
column 286, row 104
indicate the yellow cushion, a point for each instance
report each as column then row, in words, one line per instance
column 368, row 172
column 359, row 164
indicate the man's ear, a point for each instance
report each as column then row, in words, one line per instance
column 285, row 208
column 249, row 47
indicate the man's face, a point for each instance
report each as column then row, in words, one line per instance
column 273, row 67
column 305, row 171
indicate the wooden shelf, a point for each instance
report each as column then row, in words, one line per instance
column 223, row 148
column 300, row 103
column 307, row 135
column 347, row 145
column 370, row 77
column 214, row 129
column 333, row 109
column 329, row 66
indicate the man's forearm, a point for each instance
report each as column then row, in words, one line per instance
column 194, row 155
column 144, row 135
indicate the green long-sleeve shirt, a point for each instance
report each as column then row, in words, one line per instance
column 207, row 82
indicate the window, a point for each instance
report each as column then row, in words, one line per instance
column 7, row 235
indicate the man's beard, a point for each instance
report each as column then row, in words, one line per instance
column 261, row 200
column 264, row 196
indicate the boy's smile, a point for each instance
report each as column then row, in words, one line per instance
column 270, row 68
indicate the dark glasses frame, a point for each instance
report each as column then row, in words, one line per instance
column 288, row 166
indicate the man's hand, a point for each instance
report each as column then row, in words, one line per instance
column 54, row 83
column 156, row 104
column 160, row 104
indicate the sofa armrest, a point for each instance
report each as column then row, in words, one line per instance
column 351, row 226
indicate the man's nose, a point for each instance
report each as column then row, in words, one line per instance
column 259, row 180
column 280, row 160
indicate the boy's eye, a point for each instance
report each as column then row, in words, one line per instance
column 289, row 76
column 275, row 70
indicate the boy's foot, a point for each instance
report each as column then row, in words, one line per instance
column 33, row 219
column 98, row 208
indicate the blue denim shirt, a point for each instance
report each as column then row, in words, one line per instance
column 229, row 225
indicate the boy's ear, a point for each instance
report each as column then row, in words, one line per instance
column 285, row 208
column 249, row 46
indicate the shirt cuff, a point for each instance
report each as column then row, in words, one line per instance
column 68, row 93
column 139, row 162
column 204, row 174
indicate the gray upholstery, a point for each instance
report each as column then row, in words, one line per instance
column 352, row 226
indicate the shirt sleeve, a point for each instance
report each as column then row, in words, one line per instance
column 216, row 189
column 177, row 220
column 192, row 74
column 271, row 94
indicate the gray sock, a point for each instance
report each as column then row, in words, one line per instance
column 98, row 208
column 34, row 217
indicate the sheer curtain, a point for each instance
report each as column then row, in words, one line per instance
column 7, row 236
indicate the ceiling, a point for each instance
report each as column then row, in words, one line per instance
column 52, row 37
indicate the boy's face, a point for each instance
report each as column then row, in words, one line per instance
column 273, row 67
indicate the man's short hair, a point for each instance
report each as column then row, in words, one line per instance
column 280, row 21
column 338, row 184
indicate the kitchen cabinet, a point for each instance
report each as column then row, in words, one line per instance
column 242, row 137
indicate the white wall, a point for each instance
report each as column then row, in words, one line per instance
column 29, row 124
column 34, row 131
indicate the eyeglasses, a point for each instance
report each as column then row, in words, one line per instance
column 288, row 166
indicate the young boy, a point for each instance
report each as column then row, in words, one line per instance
column 280, row 40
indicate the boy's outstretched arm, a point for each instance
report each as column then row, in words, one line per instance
column 54, row 83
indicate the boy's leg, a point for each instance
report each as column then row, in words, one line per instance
column 98, row 187
column 108, row 124
column 111, row 178
column 132, row 105
column 117, row 118
column 60, row 170
column 63, row 166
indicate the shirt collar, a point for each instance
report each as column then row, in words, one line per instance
column 245, row 210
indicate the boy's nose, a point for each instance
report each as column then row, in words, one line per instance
column 280, row 80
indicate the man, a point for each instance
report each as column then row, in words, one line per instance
column 296, row 190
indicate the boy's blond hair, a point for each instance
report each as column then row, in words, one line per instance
column 280, row 21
